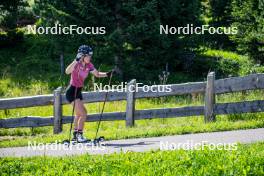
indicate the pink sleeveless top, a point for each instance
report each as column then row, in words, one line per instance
column 80, row 73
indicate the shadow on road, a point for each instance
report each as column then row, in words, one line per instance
column 116, row 145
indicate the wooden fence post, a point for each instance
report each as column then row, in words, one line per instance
column 62, row 63
column 57, row 111
column 209, row 115
column 130, row 107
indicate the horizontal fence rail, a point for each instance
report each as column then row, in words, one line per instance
column 236, row 84
column 23, row 102
column 209, row 88
column 227, row 85
column 220, row 109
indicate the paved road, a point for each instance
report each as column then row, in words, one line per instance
column 188, row 141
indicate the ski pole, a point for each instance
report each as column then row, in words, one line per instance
column 102, row 111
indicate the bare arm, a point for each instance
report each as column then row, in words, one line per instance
column 70, row 67
column 99, row 74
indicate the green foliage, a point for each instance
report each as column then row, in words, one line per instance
column 220, row 12
column 11, row 38
column 132, row 43
column 246, row 160
column 132, row 23
column 224, row 63
column 228, row 63
column 216, row 13
column 248, row 17
column 34, row 61
column 10, row 11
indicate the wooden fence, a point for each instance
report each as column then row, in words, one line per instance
column 210, row 88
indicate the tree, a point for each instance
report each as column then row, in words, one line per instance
column 10, row 12
column 132, row 41
column 248, row 17
column 221, row 12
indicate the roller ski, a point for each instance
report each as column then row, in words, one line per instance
column 78, row 138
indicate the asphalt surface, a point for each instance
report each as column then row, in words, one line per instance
column 226, row 140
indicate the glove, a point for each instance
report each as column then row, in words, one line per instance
column 78, row 57
column 111, row 72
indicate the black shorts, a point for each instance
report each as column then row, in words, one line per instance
column 70, row 93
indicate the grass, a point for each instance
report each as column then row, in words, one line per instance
column 244, row 63
column 10, row 88
column 143, row 128
column 226, row 54
column 17, row 80
column 43, row 77
column 118, row 106
column 246, row 160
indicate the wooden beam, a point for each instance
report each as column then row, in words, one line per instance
column 250, row 82
column 223, row 108
column 109, row 116
column 26, row 122
column 236, row 84
column 176, row 89
column 130, row 106
column 209, row 115
column 240, row 107
column 22, row 102
column 169, row 112
column 114, row 95
column 57, row 111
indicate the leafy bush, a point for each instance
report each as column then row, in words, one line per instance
column 11, row 38
column 224, row 63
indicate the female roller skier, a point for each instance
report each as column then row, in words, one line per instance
column 79, row 70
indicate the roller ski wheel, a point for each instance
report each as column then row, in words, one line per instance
column 74, row 142
column 68, row 142
column 97, row 141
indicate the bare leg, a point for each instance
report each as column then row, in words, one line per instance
column 82, row 116
column 77, row 116
column 81, row 113
column 76, row 120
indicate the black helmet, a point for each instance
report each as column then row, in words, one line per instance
column 84, row 49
